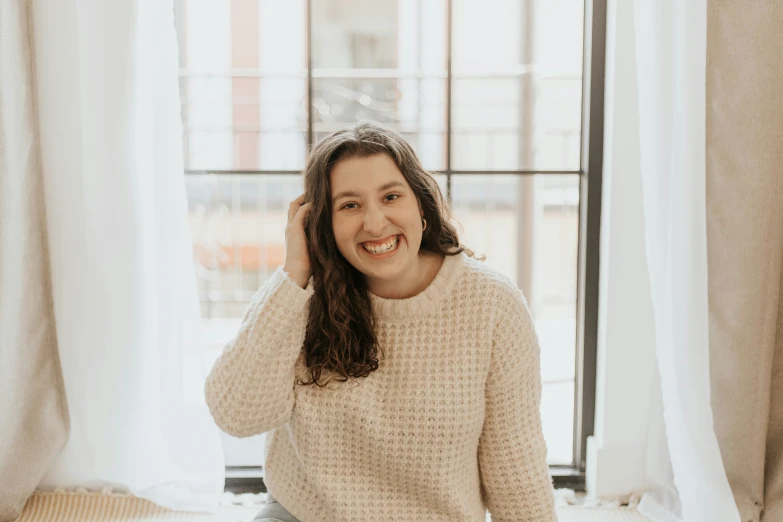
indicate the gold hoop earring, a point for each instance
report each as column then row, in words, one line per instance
column 425, row 224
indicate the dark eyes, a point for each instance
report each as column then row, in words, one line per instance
column 388, row 196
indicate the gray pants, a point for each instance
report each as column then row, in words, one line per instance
column 273, row 511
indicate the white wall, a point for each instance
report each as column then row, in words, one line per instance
column 617, row 451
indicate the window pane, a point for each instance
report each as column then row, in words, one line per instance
column 527, row 226
column 386, row 62
column 243, row 84
column 409, row 35
column 517, row 74
column 238, row 227
column 413, row 107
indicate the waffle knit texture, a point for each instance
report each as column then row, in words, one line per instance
column 447, row 427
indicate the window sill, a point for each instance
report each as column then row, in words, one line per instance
column 250, row 479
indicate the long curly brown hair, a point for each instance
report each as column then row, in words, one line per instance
column 340, row 334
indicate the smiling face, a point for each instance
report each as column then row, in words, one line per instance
column 376, row 218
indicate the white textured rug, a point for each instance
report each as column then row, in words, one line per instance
column 80, row 505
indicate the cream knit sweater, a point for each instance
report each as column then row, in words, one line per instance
column 447, row 427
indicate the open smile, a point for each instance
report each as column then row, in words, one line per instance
column 382, row 249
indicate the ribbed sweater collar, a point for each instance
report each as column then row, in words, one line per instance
column 426, row 301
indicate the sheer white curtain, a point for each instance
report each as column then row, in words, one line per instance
column 684, row 462
column 122, row 275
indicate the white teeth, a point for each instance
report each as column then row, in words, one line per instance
column 386, row 247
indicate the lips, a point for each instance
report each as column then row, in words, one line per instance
column 380, row 242
column 386, row 249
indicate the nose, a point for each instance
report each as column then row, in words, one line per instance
column 374, row 221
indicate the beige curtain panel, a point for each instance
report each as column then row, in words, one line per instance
column 33, row 410
column 745, row 247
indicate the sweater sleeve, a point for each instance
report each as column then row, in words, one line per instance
column 515, row 479
column 250, row 389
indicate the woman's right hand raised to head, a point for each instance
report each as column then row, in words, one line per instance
column 297, row 258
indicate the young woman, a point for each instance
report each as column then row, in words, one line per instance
column 398, row 375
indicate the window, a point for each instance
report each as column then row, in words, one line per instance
column 499, row 98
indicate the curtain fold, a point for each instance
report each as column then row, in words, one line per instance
column 710, row 111
column 744, row 193
column 33, row 409
column 123, row 280
column 685, row 467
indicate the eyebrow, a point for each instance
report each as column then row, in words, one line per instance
column 350, row 194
